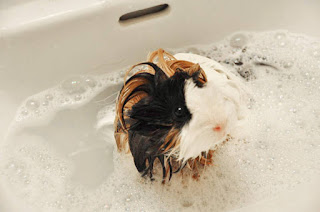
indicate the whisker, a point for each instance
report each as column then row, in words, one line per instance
column 107, row 98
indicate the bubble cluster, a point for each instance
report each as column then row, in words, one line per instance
column 72, row 92
column 281, row 151
column 21, row 167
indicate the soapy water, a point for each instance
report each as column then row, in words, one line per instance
column 57, row 158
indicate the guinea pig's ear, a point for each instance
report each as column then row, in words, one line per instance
column 159, row 76
column 195, row 75
column 195, row 78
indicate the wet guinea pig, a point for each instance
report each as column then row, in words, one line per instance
column 177, row 109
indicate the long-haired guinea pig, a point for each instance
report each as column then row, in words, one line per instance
column 177, row 109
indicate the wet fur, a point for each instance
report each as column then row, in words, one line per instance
column 148, row 124
column 145, row 122
column 153, row 117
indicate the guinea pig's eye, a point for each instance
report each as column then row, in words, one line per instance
column 179, row 112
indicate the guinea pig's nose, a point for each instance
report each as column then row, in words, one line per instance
column 218, row 128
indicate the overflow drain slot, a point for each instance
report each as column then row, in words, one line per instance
column 142, row 13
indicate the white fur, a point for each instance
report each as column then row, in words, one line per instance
column 221, row 102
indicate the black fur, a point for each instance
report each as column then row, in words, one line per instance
column 155, row 115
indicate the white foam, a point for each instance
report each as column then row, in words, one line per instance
column 71, row 93
column 283, row 150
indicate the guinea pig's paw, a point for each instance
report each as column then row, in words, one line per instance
column 205, row 161
column 196, row 176
column 207, row 158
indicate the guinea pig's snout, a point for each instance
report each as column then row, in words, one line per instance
column 220, row 129
column 217, row 128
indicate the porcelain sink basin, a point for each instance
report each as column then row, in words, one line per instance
column 44, row 42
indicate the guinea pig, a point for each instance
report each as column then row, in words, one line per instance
column 177, row 109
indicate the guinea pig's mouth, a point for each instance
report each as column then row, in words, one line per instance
column 194, row 145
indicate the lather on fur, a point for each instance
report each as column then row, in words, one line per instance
column 175, row 112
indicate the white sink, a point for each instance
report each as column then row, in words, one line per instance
column 44, row 42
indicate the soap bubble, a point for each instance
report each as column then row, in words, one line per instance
column 45, row 103
column 49, row 97
column 238, row 40
column 280, row 36
column 24, row 112
column 282, row 43
column 32, row 104
column 281, row 39
column 288, row 64
column 74, row 85
column 316, row 53
column 77, row 98
column 91, row 82
column 106, row 206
